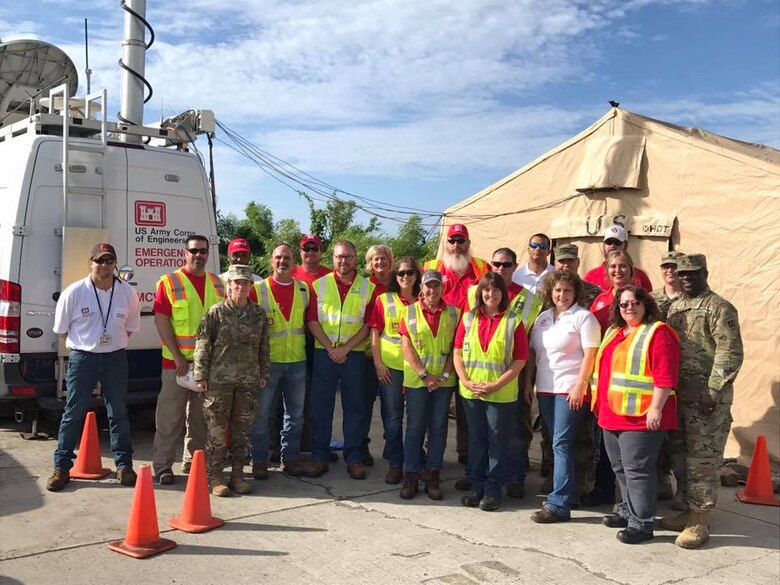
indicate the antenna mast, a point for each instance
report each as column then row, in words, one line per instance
column 87, row 70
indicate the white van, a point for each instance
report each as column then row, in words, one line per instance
column 143, row 199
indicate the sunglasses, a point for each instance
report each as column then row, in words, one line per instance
column 201, row 251
column 627, row 304
column 103, row 261
column 455, row 241
column 613, row 242
column 540, row 245
column 502, row 264
column 311, row 248
column 402, row 273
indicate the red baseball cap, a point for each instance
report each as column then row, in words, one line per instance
column 458, row 229
column 311, row 239
column 239, row 245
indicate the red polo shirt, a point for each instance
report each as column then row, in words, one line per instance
column 300, row 273
column 431, row 317
column 378, row 318
column 602, row 308
column 486, row 329
column 455, row 289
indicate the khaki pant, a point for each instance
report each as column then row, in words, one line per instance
column 175, row 406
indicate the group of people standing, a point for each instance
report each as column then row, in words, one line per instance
column 603, row 353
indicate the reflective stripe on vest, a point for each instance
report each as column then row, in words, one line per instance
column 342, row 321
column 432, row 350
column 631, row 384
column 525, row 303
column 389, row 339
column 287, row 338
column 489, row 365
column 478, row 265
column 187, row 309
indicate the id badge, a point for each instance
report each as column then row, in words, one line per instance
column 105, row 339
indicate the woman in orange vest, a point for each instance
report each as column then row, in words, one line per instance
column 636, row 372
column 403, row 290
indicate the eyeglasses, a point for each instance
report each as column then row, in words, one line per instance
column 540, row 245
column 402, row 273
column 627, row 304
column 311, row 248
column 502, row 264
column 672, row 267
column 344, row 257
column 195, row 251
column 613, row 242
column 102, row 261
column 456, row 241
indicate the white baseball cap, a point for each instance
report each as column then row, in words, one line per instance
column 616, row 231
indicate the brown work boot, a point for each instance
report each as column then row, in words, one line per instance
column 409, row 487
column 218, row 486
column 433, row 485
column 394, row 475
column 237, row 482
column 58, row 480
column 677, row 522
column 356, row 470
column 293, row 468
column 260, row 470
column 697, row 530
column 126, row 476
column 665, row 489
column 316, row 469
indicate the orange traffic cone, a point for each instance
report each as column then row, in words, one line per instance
column 88, row 464
column 758, row 488
column 196, row 510
column 143, row 536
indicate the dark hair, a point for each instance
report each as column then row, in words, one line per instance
column 652, row 313
column 393, row 285
column 540, row 235
column 285, row 244
column 509, row 252
column 562, row 276
column 495, row 280
column 196, row 238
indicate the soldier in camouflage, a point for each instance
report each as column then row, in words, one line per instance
column 232, row 359
column 708, row 326
column 671, row 288
column 567, row 257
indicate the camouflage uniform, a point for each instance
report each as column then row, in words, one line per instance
column 232, row 353
column 711, row 346
column 663, row 300
column 591, row 292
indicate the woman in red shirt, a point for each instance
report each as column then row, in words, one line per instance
column 620, row 272
column 636, row 372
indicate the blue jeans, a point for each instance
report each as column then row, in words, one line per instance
column 392, row 402
column 563, row 423
column 489, row 425
column 288, row 382
column 371, row 387
column 84, row 371
column 327, row 378
column 426, row 411
column 517, row 448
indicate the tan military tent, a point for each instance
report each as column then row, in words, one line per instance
column 672, row 188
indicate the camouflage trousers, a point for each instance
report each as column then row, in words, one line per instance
column 229, row 408
column 584, row 451
column 696, row 451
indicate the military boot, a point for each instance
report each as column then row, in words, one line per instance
column 697, row 530
column 676, row 523
column 665, row 489
column 218, row 486
column 237, row 482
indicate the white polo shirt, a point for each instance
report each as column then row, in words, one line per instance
column 559, row 347
column 528, row 278
column 78, row 315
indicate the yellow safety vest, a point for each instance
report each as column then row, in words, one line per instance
column 432, row 349
column 525, row 305
column 631, row 385
column 488, row 366
column 478, row 265
column 389, row 339
column 287, row 338
column 341, row 322
column 187, row 309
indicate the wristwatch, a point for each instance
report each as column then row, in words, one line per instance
column 423, row 374
column 445, row 376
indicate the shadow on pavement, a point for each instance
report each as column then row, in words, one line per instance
column 239, row 526
column 191, row 549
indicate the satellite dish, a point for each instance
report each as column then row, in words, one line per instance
column 28, row 70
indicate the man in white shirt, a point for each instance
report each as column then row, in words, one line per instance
column 531, row 275
column 96, row 316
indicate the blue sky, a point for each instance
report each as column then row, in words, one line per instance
column 425, row 103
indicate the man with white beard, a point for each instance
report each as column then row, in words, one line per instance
column 460, row 271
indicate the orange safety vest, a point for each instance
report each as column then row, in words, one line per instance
column 631, row 382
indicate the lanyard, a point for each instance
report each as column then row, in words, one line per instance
column 104, row 319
